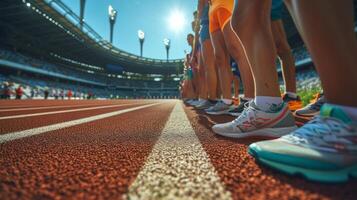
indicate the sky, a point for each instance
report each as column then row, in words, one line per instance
column 154, row 17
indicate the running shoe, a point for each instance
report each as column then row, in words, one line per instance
column 204, row 105
column 219, row 108
column 194, row 102
column 253, row 122
column 294, row 103
column 237, row 110
column 323, row 150
column 313, row 108
column 189, row 101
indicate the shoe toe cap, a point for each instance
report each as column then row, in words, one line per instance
column 223, row 128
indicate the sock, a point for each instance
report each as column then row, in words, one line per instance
column 227, row 101
column 350, row 111
column 291, row 94
column 264, row 102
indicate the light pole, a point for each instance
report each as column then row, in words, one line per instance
column 167, row 46
column 141, row 36
column 81, row 15
column 112, row 18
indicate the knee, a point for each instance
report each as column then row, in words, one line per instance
column 219, row 59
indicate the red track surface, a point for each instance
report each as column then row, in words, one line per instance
column 100, row 159
column 92, row 160
column 12, row 125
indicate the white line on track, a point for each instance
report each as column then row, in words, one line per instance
column 44, row 107
column 61, row 111
column 36, row 131
column 178, row 167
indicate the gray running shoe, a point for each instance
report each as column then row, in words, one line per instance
column 219, row 109
column 204, row 105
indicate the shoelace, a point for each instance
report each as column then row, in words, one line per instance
column 323, row 130
column 247, row 115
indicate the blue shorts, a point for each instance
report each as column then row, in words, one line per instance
column 235, row 70
column 276, row 10
column 204, row 31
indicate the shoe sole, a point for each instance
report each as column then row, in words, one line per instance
column 202, row 107
column 234, row 114
column 218, row 113
column 307, row 115
column 266, row 132
column 324, row 176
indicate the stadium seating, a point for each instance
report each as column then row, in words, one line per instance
column 117, row 87
column 128, row 86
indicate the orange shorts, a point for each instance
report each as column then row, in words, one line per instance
column 218, row 18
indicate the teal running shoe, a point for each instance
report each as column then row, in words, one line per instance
column 323, row 150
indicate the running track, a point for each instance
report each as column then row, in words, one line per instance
column 134, row 149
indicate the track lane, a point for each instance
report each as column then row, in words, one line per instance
column 12, row 125
column 49, row 109
column 97, row 160
column 245, row 179
column 18, row 116
column 17, row 104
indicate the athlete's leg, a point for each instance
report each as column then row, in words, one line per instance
column 267, row 115
column 195, row 82
column 209, row 62
column 202, row 77
column 224, row 70
column 327, row 29
column 251, row 21
column 219, row 91
column 285, row 55
column 236, row 50
column 236, row 86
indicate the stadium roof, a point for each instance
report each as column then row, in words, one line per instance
column 48, row 28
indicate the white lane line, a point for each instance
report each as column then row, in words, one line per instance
column 61, row 111
column 35, row 131
column 44, row 107
column 178, row 167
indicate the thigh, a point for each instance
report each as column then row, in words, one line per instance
column 218, row 42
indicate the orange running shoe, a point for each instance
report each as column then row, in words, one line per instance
column 313, row 108
column 294, row 103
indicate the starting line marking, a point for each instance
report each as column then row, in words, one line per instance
column 36, row 131
column 178, row 167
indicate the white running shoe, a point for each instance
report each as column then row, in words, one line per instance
column 253, row 122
